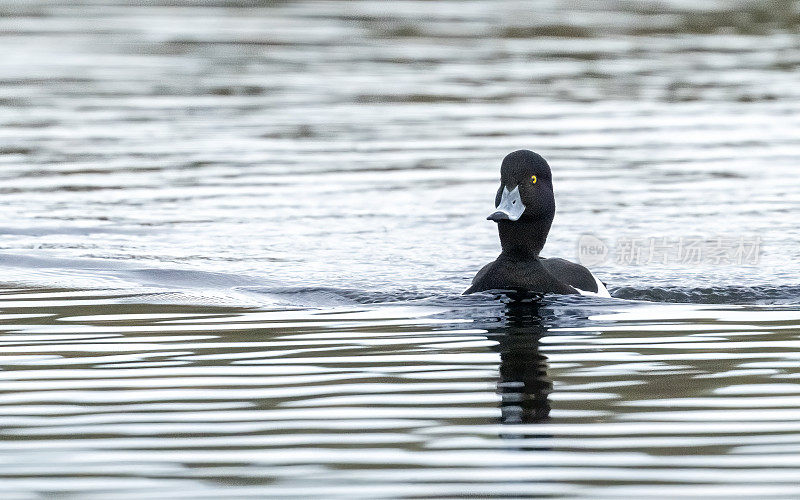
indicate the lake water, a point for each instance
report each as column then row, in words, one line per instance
column 234, row 238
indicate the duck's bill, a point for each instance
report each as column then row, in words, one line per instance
column 510, row 207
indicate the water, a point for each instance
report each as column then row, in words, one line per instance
column 234, row 238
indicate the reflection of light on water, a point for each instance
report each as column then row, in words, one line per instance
column 271, row 211
column 454, row 391
column 203, row 139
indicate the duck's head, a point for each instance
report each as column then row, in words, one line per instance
column 526, row 189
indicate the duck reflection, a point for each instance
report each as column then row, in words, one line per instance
column 523, row 386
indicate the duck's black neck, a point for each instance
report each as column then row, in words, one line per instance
column 523, row 239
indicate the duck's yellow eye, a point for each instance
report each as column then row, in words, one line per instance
column 533, row 179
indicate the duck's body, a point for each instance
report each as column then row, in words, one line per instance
column 538, row 276
column 525, row 209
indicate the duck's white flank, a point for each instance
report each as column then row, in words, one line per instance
column 601, row 289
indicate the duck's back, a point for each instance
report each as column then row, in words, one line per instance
column 574, row 275
column 528, row 275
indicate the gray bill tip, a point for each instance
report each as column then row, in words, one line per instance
column 510, row 207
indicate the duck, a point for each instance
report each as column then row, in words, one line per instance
column 524, row 210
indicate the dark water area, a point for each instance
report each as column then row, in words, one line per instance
column 234, row 235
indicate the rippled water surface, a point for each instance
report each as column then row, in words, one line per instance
column 234, row 235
